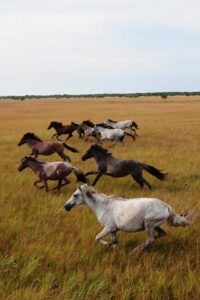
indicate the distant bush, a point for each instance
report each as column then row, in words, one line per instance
column 128, row 95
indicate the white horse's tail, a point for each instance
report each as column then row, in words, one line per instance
column 183, row 219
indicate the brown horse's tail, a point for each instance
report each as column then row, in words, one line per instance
column 155, row 172
column 131, row 135
column 70, row 148
column 79, row 175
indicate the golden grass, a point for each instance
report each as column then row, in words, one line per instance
column 47, row 253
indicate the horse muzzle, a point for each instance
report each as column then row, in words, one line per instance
column 69, row 206
column 85, row 157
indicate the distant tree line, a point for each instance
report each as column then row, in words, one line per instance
column 164, row 95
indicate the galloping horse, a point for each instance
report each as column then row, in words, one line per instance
column 116, row 135
column 108, row 165
column 130, row 215
column 63, row 129
column 45, row 148
column 51, row 171
column 122, row 124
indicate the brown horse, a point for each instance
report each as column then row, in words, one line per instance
column 108, row 165
column 88, row 128
column 51, row 171
column 45, row 148
column 63, row 129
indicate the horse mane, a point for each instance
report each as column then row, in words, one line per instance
column 88, row 123
column 56, row 123
column 75, row 124
column 104, row 125
column 101, row 149
column 112, row 121
column 32, row 136
column 107, row 197
column 34, row 159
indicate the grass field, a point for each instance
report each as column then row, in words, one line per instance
column 48, row 253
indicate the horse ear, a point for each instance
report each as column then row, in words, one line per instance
column 90, row 192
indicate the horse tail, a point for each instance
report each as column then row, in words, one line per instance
column 79, row 175
column 70, row 148
column 155, row 172
column 135, row 125
column 183, row 219
column 133, row 137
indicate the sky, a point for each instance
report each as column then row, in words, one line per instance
column 99, row 46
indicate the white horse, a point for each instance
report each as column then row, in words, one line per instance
column 129, row 215
column 116, row 135
column 122, row 124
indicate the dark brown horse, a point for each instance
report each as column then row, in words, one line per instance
column 108, row 165
column 63, row 129
column 45, row 148
column 57, row 171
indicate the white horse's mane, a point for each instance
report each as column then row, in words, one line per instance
column 110, row 197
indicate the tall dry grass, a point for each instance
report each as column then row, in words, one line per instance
column 47, row 253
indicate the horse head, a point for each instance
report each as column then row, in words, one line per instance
column 78, row 197
column 54, row 124
column 28, row 136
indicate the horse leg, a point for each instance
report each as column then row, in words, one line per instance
column 64, row 156
column 150, row 226
column 69, row 136
column 121, row 140
column 36, row 153
column 67, row 181
column 46, row 186
column 149, row 241
column 138, row 180
column 115, row 142
column 36, row 182
column 114, row 239
column 57, row 137
column 146, row 183
column 91, row 173
column 160, row 232
column 99, row 175
column 104, row 232
column 60, row 184
column 54, row 136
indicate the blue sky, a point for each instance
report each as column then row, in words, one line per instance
column 99, row 46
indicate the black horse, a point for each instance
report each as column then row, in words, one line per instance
column 108, row 165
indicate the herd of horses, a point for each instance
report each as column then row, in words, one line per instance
column 113, row 212
column 110, row 130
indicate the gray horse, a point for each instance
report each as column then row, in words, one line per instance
column 57, row 171
column 111, row 166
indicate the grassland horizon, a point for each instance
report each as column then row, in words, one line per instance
column 47, row 253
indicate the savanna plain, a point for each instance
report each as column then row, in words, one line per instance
column 48, row 253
